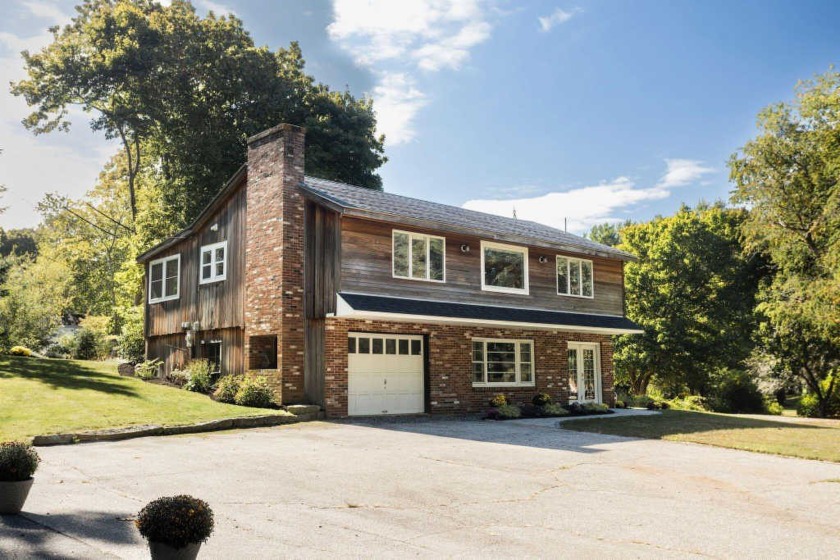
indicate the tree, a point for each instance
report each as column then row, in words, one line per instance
column 692, row 291
column 607, row 233
column 788, row 177
column 182, row 93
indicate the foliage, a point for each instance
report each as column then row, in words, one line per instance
column 227, row 388
column 85, row 345
column 57, row 350
column 620, row 404
column 692, row 291
column 787, row 176
column 689, row 402
column 254, row 391
column 772, row 406
column 811, row 406
column 541, row 399
column 18, row 461
column 131, row 344
column 498, row 400
column 199, row 379
column 178, row 377
column 508, row 412
column 656, row 404
column 607, row 234
column 148, row 369
column 20, row 351
column 553, row 410
column 34, row 296
column 176, row 521
column 738, row 394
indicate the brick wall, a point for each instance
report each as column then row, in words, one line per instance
column 274, row 252
column 449, row 349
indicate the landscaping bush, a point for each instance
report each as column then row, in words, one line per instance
column 227, row 388
column 176, row 521
column 20, row 351
column 199, row 379
column 553, row 410
column 57, row 350
column 654, row 404
column 509, row 412
column 596, row 408
column 528, row 410
column 147, row 370
column 255, row 392
column 772, row 406
column 620, row 404
column 85, row 345
column 178, row 377
column 492, row 414
column 18, row 461
column 691, row 402
column 541, row 399
column 498, row 400
column 738, row 394
column 809, row 406
column 131, row 345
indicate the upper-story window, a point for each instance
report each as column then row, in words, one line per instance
column 213, row 263
column 574, row 277
column 418, row 256
column 504, row 268
column 164, row 278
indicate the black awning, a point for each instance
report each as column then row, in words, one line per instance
column 416, row 307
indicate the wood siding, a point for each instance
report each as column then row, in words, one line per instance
column 173, row 351
column 215, row 306
column 366, row 268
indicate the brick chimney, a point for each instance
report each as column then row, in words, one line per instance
column 274, row 314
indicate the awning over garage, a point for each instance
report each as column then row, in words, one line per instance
column 365, row 306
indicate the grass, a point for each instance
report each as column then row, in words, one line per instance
column 40, row 396
column 817, row 440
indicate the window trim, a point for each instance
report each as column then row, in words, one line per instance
column 165, row 261
column 519, row 382
column 428, row 238
column 212, row 249
column 511, row 249
column 569, row 277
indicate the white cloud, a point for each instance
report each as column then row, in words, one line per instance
column 586, row 206
column 45, row 10
column 398, row 39
column 215, row 7
column 555, row 18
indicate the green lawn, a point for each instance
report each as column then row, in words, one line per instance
column 39, row 396
column 815, row 440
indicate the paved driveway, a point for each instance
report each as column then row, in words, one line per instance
column 434, row 489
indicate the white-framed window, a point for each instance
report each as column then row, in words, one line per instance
column 418, row 257
column 164, row 279
column 502, row 362
column 213, row 263
column 575, row 277
column 504, row 268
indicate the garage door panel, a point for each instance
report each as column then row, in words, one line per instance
column 385, row 374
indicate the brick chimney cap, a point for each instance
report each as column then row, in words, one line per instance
column 274, row 130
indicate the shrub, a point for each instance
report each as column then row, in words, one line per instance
column 18, row 461
column 255, row 392
column 227, row 388
column 56, row 350
column 595, row 408
column 541, row 399
column 508, row 412
column 809, row 406
column 690, row 402
column 85, row 345
column 147, row 370
column 492, row 414
column 553, row 410
column 178, row 377
column 20, row 351
column 575, row 409
column 176, row 521
column 654, row 404
column 738, row 393
column 620, row 404
column 498, row 400
column 199, row 379
column 530, row 411
column 772, row 406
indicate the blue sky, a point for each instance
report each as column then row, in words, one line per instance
column 591, row 111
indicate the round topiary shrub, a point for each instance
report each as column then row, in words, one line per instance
column 255, row 392
column 176, row 521
column 227, row 388
column 18, row 461
column 498, row 400
column 541, row 399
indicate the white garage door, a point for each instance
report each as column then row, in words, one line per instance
column 385, row 374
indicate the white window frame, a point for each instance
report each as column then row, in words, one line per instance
column 212, row 250
column 510, row 249
column 166, row 264
column 518, row 383
column 569, row 261
column 412, row 235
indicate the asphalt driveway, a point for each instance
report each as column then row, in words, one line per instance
column 434, row 489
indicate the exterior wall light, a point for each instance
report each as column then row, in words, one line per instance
column 465, row 248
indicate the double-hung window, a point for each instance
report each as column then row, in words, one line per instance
column 574, row 277
column 164, row 279
column 418, row 256
column 502, row 362
column 504, row 268
column 213, row 263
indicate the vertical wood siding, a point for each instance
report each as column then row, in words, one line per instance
column 173, row 351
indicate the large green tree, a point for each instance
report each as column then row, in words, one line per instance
column 692, row 291
column 789, row 177
column 182, row 93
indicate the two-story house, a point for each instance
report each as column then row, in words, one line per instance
column 367, row 302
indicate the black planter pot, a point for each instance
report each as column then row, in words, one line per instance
column 13, row 496
column 161, row 551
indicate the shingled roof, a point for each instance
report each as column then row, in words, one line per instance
column 369, row 203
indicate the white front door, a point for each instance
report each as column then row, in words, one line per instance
column 585, row 372
column 385, row 374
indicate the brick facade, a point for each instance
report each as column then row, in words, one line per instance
column 274, row 253
column 449, row 351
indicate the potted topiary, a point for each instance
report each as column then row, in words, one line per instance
column 18, row 462
column 175, row 526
